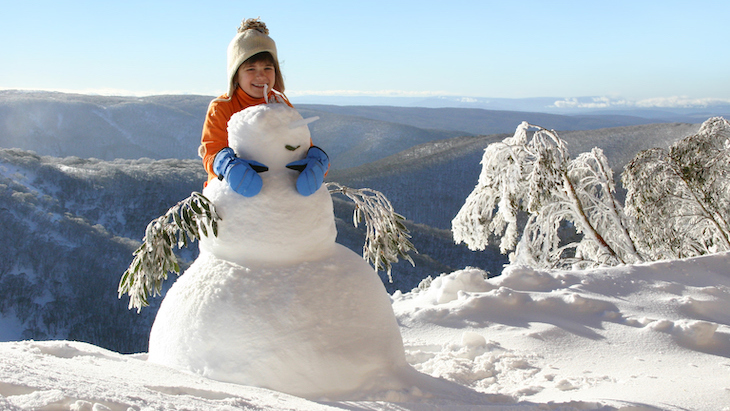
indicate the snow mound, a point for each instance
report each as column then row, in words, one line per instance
column 655, row 333
column 321, row 328
column 444, row 289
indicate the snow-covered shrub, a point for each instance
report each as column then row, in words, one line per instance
column 680, row 198
column 536, row 175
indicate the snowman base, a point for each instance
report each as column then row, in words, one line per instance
column 318, row 329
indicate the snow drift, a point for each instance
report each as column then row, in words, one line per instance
column 642, row 338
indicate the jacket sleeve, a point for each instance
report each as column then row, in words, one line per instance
column 215, row 135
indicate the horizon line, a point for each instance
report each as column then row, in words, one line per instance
column 585, row 102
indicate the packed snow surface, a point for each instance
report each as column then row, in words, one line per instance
column 642, row 337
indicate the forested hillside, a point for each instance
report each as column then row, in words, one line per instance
column 71, row 226
column 475, row 121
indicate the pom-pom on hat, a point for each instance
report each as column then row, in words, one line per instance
column 252, row 38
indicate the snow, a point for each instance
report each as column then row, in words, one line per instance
column 275, row 315
column 647, row 334
column 311, row 329
column 636, row 337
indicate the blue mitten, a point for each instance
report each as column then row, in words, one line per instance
column 312, row 169
column 241, row 175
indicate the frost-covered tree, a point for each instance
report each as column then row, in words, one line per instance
column 680, row 198
column 537, row 176
column 593, row 183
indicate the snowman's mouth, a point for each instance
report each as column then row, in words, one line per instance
column 292, row 148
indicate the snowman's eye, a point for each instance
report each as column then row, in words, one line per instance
column 292, row 148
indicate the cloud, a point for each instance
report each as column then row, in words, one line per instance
column 682, row 102
column 657, row 102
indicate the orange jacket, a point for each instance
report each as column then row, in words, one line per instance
column 215, row 128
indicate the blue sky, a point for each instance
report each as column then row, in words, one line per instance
column 509, row 49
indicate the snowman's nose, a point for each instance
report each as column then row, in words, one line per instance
column 302, row 122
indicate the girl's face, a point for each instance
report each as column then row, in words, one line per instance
column 251, row 77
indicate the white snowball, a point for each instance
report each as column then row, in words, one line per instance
column 268, row 134
column 316, row 329
column 279, row 225
column 473, row 340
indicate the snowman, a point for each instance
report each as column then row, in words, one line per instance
column 273, row 301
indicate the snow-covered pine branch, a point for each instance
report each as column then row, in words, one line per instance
column 680, row 198
column 387, row 238
column 386, row 241
column 537, row 176
column 180, row 225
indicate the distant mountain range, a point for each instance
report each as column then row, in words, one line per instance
column 81, row 176
column 671, row 109
column 158, row 127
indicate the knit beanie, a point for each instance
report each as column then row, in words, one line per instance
column 252, row 38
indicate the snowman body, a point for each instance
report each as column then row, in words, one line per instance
column 273, row 301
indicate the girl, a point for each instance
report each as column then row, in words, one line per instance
column 254, row 77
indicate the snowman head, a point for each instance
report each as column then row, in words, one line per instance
column 272, row 134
